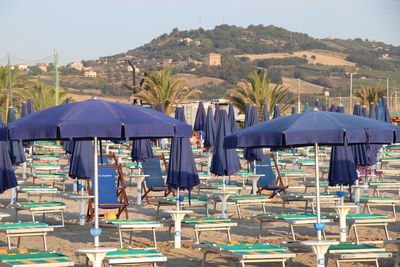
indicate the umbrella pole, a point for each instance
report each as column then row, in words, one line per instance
column 317, row 189
column 96, row 193
column 178, row 206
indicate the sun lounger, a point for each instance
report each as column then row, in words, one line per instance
column 50, row 178
column 380, row 201
column 194, row 202
column 4, row 215
column 292, row 219
column 42, row 208
column 41, row 159
column 40, row 191
column 363, row 220
column 23, row 229
column 248, row 200
column 397, row 242
column 349, row 252
column 245, row 252
column 33, row 258
column 44, row 167
column 309, row 199
column 133, row 256
column 200, row 224
column 234, row 188
column 133, row 226
column 377, row 186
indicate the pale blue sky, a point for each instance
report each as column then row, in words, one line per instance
column 88, row 29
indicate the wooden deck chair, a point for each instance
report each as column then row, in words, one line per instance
column 108, row 159
column 269, row 181
column 112, row 193
column 155, row 181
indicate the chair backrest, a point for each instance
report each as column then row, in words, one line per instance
column 265, row 167
column 103, row 160
column 152, row 168
column 107, row 185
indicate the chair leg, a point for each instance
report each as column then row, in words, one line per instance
column 228, row 232
column 203, row 262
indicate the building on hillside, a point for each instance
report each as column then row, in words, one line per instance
column 75, row 65
column 22, row 67
column 90, row 74
column 42, row 66
column 167, row 61
column 213, row 59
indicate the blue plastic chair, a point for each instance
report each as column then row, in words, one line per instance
column 155, row 181
column 269, row 181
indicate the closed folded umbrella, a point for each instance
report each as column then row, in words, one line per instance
column 372, row 113
column 81, row 162
column 217, row 113
column 386, row 114
column 253, row 154
column 7, row 175
column 210, row 129
column 160, row 108
column 364, row 111
column 265, row 116
column 16, row 150
column 294, row 110
column 277, row 112
column 232, row 118
column 317, row 104
column 247, row 115
column 323, row 107
column 200, row 121
column 332, row 108
column 340, row 108
column 307, row 108
column 30, row 106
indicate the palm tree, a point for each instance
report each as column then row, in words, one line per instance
column 42, row 96
column 160, row 87
column 370, row 94
column 257, row 90
column 18, row 82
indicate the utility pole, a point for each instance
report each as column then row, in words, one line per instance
column 351, row 91
column 298, row 96
column 9, row 92
column 56, row 78
column 387, row 91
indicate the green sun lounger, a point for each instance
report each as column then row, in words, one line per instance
column 133, row 226
column 194, row 201
column 350, row 252
column 245, row 252
column 380, row 201
column 130, row 256
column 293, row 220
column 33, row 258
column 42, row 208
column 248, row 200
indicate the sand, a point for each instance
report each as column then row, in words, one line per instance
column 73, row 236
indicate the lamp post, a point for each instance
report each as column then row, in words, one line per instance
column 298, row 95
column 351, row 90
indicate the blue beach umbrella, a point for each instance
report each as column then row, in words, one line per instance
column 314, row 128
column 247, row 115
column 180, row 114
column 217, row 113
column 332, row 108
column 93, row 120
column 372, row 113
column 381, row 110
column 357, row 110
column 68, row 146
column 210, row 129
column 160, row 108
column 323, row 107
column 141, row 150
column 152, row 106
column 8, row 179
column 265, row 114
column 340, row 108
column 277, row 112
column 342, row 169
column 252, row 154
column 30, row 107
column 307, row 108
column 378, row 110
column 16, row 150
column 200, row 121
column 317, row 105
column 294, row 110
column 81, row 162
column 67, row 100
column 385, row 115
column 224, row 162
column 24, row 110
column 232, row 118
column 364, row 111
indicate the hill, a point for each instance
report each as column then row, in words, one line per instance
column 320, row 63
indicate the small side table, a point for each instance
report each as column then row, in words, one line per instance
column 139, row 180
column 343, row 210
column 254, row 179
column 223, row 196
column 178, row 216
column 320, row 247
column 95, row 255
column 82, row 199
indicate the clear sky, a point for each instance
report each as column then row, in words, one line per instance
column 88, row 29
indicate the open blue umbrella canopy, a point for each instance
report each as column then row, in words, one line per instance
column 342, row 169
column 307, row 108
column 7, row 175
column 323, row 108
column 200, row 121
column 317, row 104
column 332, row 108
column 16, row 150
column 81, row 164
column 251, row 154
column 30, row 107
column 277, row 112
column 94, row 118
column 160, row 108
column 182, row 172
column 357, row 110
column 232, row 118
column 217, row 113
column 247, row 115
column 224, row 161
column 372, row 113
column 385, row 111
column 210, row 129
column 265, row 114
column 324, row 128
column 141, row 150
column 340, row 108
column 294, row 110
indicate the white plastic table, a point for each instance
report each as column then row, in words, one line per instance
column 139, row 180
column 357, row 196
column 320, row 247
column 343, row 210
column 254, row 179
column 82, row 199
column 95, row 255
column 177, row 216
column 223, row 196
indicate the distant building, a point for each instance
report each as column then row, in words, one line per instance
column 42, row 66
column 90, row 74
column 22, row 67
column 167, row 61
column 76, row 65
column 213, row 59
